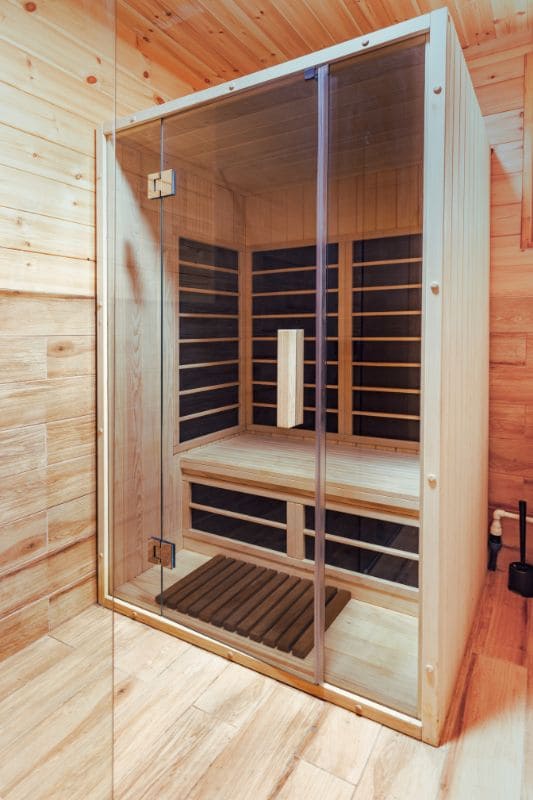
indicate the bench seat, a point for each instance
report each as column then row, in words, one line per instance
column 364, row 477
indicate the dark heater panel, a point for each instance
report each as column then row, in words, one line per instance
column 386, row 337
column 208, row 334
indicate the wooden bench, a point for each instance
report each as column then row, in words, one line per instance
column 265, row 485
column 359, row 477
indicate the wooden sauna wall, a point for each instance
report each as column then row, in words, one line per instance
column 373, row 205
column 454, row 453
column 201, row 211
column 498, row 76
column 56, row 84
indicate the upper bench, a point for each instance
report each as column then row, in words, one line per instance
column 361, row 476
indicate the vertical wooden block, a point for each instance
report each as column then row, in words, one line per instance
column 290, row 378
column 295, row 530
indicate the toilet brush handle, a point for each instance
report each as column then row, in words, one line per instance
column 522, row 511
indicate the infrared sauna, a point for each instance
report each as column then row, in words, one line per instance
column 293, row 372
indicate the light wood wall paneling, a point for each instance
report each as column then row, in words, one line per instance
column 41, row 273
column 71, row 521
column 455, row 465
column 526, row 236
column 382, row 203
column 56, row 83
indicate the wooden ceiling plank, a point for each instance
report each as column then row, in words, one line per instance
column 265, row 15
column 510, row 16
column 163, row 49
column 229, row 15
column 199, row 30
column 303, row 17
column 333, row 15
column 404, row 9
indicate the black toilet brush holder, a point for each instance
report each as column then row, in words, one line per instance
column 521, row 573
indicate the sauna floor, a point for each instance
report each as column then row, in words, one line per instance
column 369, row 650
column 193, row 726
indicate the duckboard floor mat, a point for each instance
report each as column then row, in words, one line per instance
column 265, row 605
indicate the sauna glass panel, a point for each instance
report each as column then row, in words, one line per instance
column 136, row 285
column 225, row 299
column 376, row 125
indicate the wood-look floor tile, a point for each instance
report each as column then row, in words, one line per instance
column 486, row 760
column 255, row 760
column 401, row 768
column 184, row 751
column 234, row 696
column 309, row 782
column 342, row 743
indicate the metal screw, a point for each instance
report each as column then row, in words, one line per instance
column 358, row 710
column 366, row 42
column 435, row 288
column 432, row 480
column 437, row 89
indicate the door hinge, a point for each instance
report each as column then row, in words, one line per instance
column 160, row 551
column 161, row 184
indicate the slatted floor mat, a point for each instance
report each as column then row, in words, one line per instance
column 262, row 604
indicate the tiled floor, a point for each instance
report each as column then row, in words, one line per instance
column 189, row 725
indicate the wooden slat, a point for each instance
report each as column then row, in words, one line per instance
column 294, row 607
column 303, row 646
column 258, row 612
column 298, row 625
column 273, row 582
column 251, row 587
column 222, row 574
column 194, row 579
column 270, row 612
column 244, row 578
column 215, row 589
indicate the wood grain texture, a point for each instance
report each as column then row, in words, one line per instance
column 57, row 83
column 291, row 29
column 290, row 396
column 454, row 445
column 365, row 476
column 219, row 717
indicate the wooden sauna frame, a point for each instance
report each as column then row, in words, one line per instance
column 453, row 501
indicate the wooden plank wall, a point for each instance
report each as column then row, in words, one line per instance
column 56, row 84
column 498, row 76
column 381, row 203
column 454, row 545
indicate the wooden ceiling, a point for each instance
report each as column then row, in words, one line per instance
column 211, row 41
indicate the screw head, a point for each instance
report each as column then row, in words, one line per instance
column 365, row 43
column 437, row 89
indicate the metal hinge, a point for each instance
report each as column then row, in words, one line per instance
column 161, row 184
column 161, row 552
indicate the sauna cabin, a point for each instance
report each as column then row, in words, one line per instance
column 293, row 350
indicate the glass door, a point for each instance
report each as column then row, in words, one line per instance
column 239, row 369
column 135, row 370
column 265, row 371
column 376, row 116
